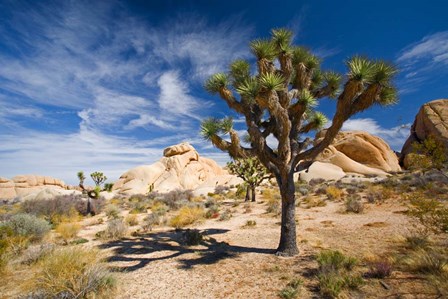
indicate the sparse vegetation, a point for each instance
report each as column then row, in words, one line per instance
column 354, row 204
column 116, row 229
column 192, row 237
column 72, row 272
column 334, row 193
column 292, row 289
column 131, row 220
column 187, row 216
column 68, row 231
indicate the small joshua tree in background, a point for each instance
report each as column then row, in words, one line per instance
column 81, row 178
column 251, row 171
column 98, row 177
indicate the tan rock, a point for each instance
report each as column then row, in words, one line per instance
column 178, row 149
column 361, row 152
column 320, row 170
column 335, row 157
column 23, row 185
column 180, row 168
column 431, row 120
column 7, row 190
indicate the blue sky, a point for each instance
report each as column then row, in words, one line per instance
column 106, row 85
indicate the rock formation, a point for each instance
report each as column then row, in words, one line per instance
column 431, row 120
column 23, row 185
column 360, row 152
column 180, row 168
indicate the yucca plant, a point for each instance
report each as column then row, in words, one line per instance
column 279, row 101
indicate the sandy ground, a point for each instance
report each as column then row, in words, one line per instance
column 238, row 262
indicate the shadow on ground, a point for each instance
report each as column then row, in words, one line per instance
column 171, row 245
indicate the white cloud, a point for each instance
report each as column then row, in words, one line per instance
column 419, row 61
column 433, row 47
column 395, row 136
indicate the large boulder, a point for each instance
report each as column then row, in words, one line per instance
column 320, row 170
column 431, row 120
column 359, row 152
column 180, row 168
column 23, row 185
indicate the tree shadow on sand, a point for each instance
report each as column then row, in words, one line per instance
column 169, row 245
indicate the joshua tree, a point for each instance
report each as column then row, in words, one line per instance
column 251, row 171
column 279, row 100
column 81, row 178
column 98, row 177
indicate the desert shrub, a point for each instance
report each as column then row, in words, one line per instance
column 55, row 210
column 138, row 207
column 35, row 253
column 428, row 212
column 417, row 238
column 150, row 221
column 28, row 226
column 312, row 201
column 226, row 215
column 292, row 289
column 250, row 223
column 354, row 204
column 315, row 182
column 116, row 229
column 192, row 237
column 380, row 269
column 334, row 193
column 68, row 231
column 176, row 199
column 112, row 211
column 72, row 272
column 187, row 216
column 131, row 220
column 334, row 260
column 221, row 189
column 334, row 273
column 212, row 212
column 273, row 206
column 159, row 208
column 429, row 261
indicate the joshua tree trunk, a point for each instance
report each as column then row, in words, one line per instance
column 288, row 243
column 253, row 193
column 247, row 193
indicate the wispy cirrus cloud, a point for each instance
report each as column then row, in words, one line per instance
column 418, row 61
column 118, row 73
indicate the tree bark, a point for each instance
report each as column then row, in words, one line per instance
column 247, row 193
column 288, row 240
column 253, row 193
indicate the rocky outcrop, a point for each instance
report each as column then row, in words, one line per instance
column 320, row 170
column 23, row 185
column 359, row 152
column 431, row 120
column 180, row 168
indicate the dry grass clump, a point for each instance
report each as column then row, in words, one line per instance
column 334, row 193
column 312, row 202
column 68, row 231
column 131, row 220
column 273, row 201
column 354, row 204
column 150, row 221
column 430, row 261
column 187, row 216
column 72, row 272
column 159, row 208
column 292, row 289
column 116, row 229
column 226, row 215
column 112, row 211
column 336, row 273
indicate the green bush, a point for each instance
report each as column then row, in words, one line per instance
column 29, row 226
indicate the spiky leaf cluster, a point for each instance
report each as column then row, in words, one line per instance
column 211, row 127
column 98, row 178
